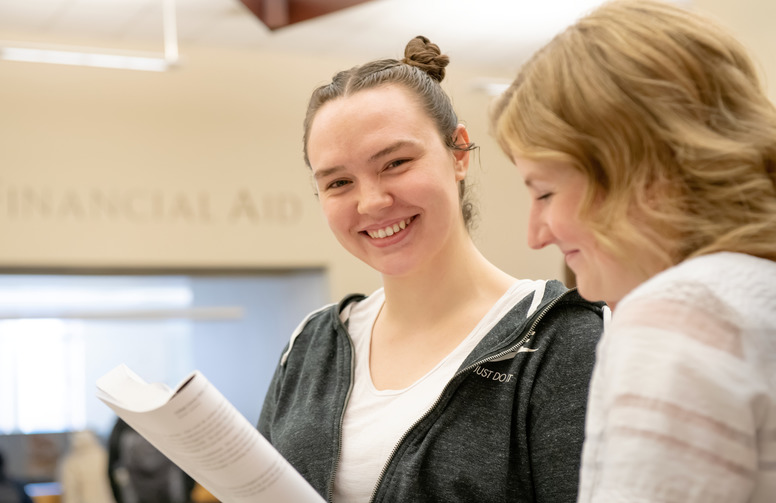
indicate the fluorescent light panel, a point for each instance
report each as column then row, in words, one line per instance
column 76, row 58
column 94, row 57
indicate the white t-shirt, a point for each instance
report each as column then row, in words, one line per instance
column 376, row 419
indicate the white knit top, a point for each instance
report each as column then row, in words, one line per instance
column 682, row 405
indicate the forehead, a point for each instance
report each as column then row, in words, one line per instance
column 367, row 119
column 391, row 105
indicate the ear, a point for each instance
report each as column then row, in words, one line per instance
column 461, row 138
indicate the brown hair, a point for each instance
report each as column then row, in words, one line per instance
column 664, row 113
column 420, row 71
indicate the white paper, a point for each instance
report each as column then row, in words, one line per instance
column 203, row 433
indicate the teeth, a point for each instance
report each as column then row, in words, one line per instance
column 390, row 230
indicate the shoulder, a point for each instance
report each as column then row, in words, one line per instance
column 556, row 294
column 716, row 313
column 566, row 310
column 563, row 338
column 713, row 273
column 725, row 290
column 540, row 299
column 568, row 327
column 323, row 322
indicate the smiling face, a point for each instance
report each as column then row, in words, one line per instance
column 387, row 183
column 557, row 190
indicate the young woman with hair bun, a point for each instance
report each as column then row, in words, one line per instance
column 454, row 381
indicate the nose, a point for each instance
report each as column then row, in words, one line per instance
column 539, row 234
column 373, row 197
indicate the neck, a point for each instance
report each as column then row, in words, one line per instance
column 452, row 284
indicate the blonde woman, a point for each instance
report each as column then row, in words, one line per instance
column 648, row 146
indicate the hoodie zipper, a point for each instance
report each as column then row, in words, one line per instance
column 330, row 495
column 530, row 333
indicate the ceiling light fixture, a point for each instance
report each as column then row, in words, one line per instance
column 94, row 57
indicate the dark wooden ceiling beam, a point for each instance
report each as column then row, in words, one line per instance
column 279, row 13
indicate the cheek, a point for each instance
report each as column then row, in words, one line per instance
column 565, row 219
column 332, row 212
column 557, row 222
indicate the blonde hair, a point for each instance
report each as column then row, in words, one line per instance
column 664, row 113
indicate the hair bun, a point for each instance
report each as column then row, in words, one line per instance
column 421, row 53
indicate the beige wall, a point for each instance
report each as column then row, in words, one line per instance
column 201, row 167
column 752, row 22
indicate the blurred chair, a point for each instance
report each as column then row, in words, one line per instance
column 140, row 473
column 11, row 491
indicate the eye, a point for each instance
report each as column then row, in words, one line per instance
column 336, row 184
column 545, row 197
column 396, row 163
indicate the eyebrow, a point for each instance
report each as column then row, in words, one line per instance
column 323, row 173
column 390, row 149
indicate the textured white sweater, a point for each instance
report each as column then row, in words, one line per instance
column 682, row 405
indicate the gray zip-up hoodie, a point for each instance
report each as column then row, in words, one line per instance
column 508, row 427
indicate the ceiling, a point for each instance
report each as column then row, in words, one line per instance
column 495, row 32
